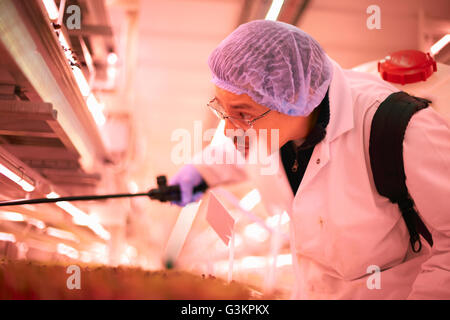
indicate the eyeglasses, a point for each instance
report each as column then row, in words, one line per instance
column 238, row 122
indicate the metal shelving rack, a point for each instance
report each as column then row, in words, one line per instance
column 48, row 136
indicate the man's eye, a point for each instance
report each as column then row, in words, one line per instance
column 244, row 116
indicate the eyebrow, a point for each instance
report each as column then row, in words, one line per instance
column 242, row 106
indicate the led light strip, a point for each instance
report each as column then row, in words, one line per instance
column 67, row 251
column 26, row 183
column 81, row 218
column 7, row 237
column 250, row 200
column 81, row 81
column 435, row 48
column 11, row 216
column 94, row 106
column 274, row 10
column 52, row 10
column 62, row 234
column 96, row 110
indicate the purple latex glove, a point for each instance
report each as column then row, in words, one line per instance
column 187, row 178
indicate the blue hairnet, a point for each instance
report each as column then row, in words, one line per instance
column 278, row 65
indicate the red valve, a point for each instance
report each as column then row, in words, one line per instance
column 407, row 66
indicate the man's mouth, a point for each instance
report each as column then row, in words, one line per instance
column 241, row 144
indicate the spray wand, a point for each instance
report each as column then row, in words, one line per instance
column 162, row 193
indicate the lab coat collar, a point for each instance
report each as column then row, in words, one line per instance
column 341, row 104
column 341, row 121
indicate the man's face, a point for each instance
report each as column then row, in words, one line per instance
column 243, row 107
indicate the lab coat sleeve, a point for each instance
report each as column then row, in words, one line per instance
column 426, row 151
column 220, row 164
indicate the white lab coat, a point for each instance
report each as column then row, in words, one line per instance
column 340, row 225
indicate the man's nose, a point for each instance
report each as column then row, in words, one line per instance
column 229, row 126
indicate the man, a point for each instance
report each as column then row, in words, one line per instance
column 271, row 75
